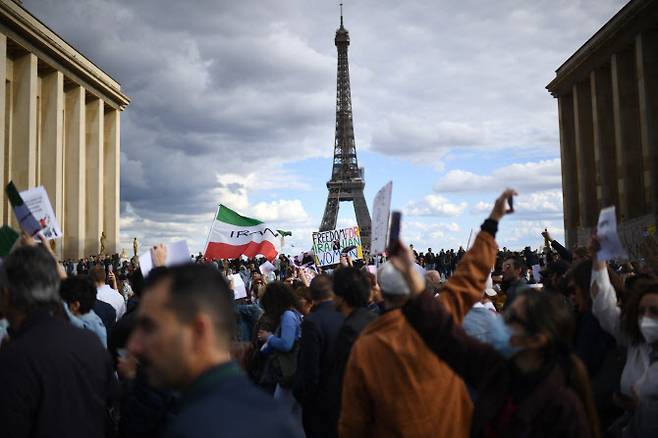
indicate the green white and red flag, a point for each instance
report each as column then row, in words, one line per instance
column 233, row 235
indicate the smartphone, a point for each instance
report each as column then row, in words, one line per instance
column 346, row 250
column 511, row 204
column 394, row 232
column 109, row 268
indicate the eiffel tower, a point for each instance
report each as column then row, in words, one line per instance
column 347, row 180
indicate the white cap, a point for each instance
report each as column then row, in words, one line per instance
column 391, row 281
column 490, row 292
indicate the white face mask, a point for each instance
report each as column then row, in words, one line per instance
column 649, row 329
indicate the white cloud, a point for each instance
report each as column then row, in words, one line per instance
column 543, row 204
column 432, row 235
column 525, row 177
column 520, row 233
column 289, row 211
column 435, row 205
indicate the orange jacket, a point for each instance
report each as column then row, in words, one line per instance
column 394, row 386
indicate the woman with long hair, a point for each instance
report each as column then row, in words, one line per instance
column 280, row 304
column 528, row 383
column 635, row 326
column 592, row 344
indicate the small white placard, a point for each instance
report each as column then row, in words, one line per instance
column 239, row 289
column 177, row 254
column 266, row 268
column 36, row 199
column 606, row 232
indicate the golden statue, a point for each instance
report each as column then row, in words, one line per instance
column 124, row 254
column 103, row 241
column 135, row 246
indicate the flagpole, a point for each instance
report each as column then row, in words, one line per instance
column 210, row 230
column 468, row 244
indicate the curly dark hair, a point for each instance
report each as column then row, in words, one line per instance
column 277, row 299
column 80, row 288
column 630, row 314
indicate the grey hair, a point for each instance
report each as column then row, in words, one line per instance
column 30, row 276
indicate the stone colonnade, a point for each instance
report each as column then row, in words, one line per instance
column 609, row 140
column 59, row 128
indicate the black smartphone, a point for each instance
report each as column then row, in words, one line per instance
column 394, row 232
column 348, row 249
column 511, row 204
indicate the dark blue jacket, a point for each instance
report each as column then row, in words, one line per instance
column 223, row 403
column 55, row 381
column 107, row 314
column 313, row 382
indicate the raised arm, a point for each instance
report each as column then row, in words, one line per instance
column 447, row 340
column 465, row 286
column 564, row 253
column 468, row 281
column 604, row 297
column 604, row 303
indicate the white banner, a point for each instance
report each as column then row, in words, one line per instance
column 381, row 213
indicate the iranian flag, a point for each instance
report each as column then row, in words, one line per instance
column 233, row 235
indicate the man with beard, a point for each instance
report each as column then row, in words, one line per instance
column 514, row 279
column 185, row 325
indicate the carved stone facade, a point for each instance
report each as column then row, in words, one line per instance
column 608, row 110
column 60, row 128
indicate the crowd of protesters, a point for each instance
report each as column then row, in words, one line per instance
column 480, row 342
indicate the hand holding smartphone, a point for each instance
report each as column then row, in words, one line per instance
column 394, row 233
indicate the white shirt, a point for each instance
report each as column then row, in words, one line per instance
column 639, row 373
column 108, row 295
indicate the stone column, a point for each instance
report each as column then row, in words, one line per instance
column 604, row 136
column 569, row 168
column 627, row 134
column 24, row 123
column 8, row 217
column 3, row 128
column 52, row 150
column 111, row 188
column 94, row 187
column 74, row 174
column 587, row 199
column 646, row 55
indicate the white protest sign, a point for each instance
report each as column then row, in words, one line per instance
column 239, row 289
column 36, row 199
column 606, row 232
column 536, row 273
column 328, row 245
column 266, row 268
column 177, row 254
column 381, row 212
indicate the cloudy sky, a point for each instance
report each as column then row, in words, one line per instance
column 234, row 102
